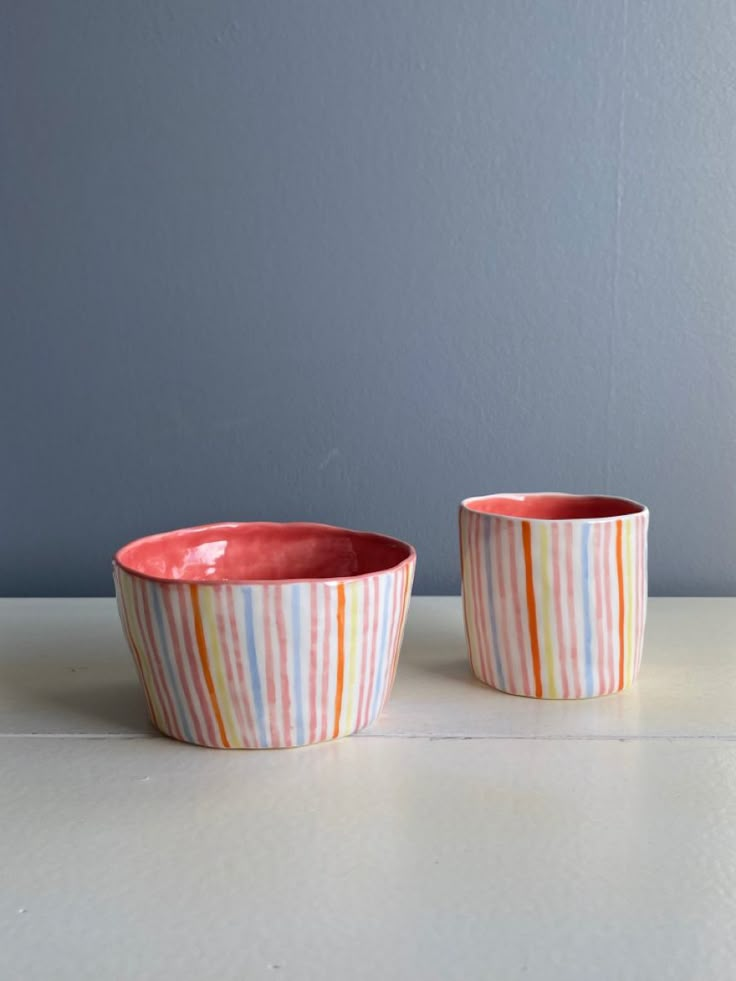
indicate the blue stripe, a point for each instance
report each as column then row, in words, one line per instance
column 384, row 644
column 586, row 612
column 166, row 656
column 295, row 622
column 253, row 663
column 491, row 608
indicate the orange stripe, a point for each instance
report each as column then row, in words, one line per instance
column 526, row 532
column 340, row 654
column 202, row 647
column 620, row 577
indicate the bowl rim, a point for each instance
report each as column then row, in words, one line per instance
column 517, row 495
column 410, row 558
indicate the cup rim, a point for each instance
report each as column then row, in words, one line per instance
column 641, row 509
column 118, row 561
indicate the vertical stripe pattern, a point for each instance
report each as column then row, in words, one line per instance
column 554, row 609
column 265, row 666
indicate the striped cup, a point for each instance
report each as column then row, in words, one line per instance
column 554, row 592
column 264, row 635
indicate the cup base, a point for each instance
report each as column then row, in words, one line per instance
column 557, row 698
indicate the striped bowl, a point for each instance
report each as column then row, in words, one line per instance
column 264, row 635
column 554, row 592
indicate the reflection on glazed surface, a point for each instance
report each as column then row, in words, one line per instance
column 554, row 507
column 261, row 551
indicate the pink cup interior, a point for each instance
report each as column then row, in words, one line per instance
column 261, row 552
column 554, row 507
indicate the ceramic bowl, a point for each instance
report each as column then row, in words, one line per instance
column 263, row 635
column 554, row 592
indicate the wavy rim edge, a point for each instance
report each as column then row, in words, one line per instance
column 642, row 508
column 410, row 559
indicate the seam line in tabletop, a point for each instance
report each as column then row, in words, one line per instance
column 428, row 737
column 82, row 735
column 557, row 737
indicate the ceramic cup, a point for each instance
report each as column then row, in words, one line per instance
column 264, row 635
column 554, row 592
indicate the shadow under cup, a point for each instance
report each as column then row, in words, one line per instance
column 554, row 592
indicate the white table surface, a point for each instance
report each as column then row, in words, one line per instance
column 467, row 835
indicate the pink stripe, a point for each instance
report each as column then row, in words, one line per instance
column 596, row 537
column 365, row 652
column 609, row 652
column 395, row 601
column 195, row 665
column 483, row 545
column 644, row 580
column 278, row 600
column 134, row 612
column 319, row 617
column 502, row 611
column 473, row 598
column 327, row 710
column 557, row 593
column 125, row 620
column 396, row 650
column 238, row 634
column 229, row 657
column 222, row 641
column 144, row 621
column 373, row 649
column 139, row 670
column 611, row 626
column 378, row 609
column 639, row 588
column 313, row 662
column 635, row 592
column 469, row 599
column 180, row 655
column 471, row 627
column 389, row 639
column 462, row 530
column 369, row 618
column 242, row 688
column 482, row 613
column 516, row 598
column 573, row 612
column 272, row 708
column 168, row 673
column 568, row 611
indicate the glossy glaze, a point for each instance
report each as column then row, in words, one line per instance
column 261, row 551
column 264, row 635
column 554, row 507
column 554, row 592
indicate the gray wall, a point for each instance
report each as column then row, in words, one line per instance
column 351, row 261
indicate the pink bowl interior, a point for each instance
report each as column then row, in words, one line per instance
column 554, row 507
column 261, row 551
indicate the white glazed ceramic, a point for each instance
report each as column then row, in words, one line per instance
column 264, row 635
column 554, row 592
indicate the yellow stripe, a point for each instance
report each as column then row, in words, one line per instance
column 547, row 610
column 630, row 601
column 355, row 591
column 132, row 621
column 217, row 664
